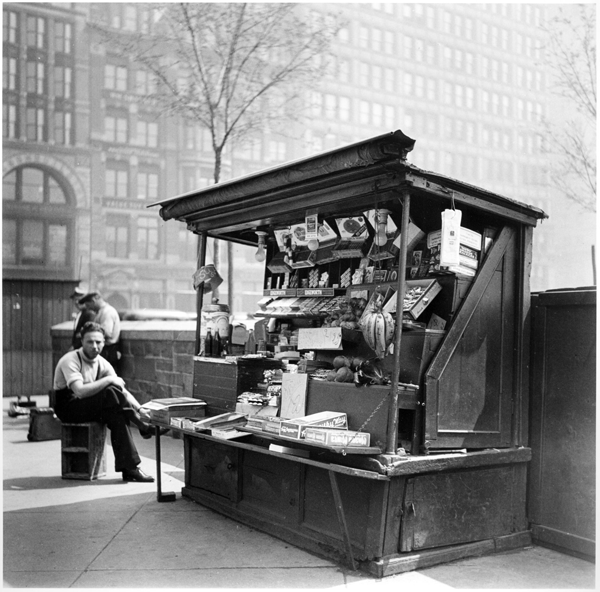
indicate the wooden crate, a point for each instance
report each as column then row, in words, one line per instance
column 83, row 450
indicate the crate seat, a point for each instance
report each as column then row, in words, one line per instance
column 83, row 450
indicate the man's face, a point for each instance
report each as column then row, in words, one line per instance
column 92, row 344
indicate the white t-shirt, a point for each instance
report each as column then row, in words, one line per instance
column 74, row 365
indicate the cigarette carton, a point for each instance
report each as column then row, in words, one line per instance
column 294, row 428
column 331, row 437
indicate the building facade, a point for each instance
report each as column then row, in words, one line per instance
column 85, row 151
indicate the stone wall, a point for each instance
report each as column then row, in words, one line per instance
column 157, row 356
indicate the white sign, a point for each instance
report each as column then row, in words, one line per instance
column 323, row 338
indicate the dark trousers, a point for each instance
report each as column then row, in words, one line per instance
column 109, row 407
column 111, row 353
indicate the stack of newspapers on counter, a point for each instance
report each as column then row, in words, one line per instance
column 165, row 410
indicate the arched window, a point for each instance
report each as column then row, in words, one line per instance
column 37, row 221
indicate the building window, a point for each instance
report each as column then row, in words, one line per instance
column 363, row 37
column 36, row 124
column 344, row 108
column 408, row 48
column 63, row 82
column 419, row 87
column 376, row 40
column 36, row 32
column 9, row 73
column 116, row 182
column 10, row 27
column 40, row 239
column 408, row 83
column 419, row 50
column 188, row 245
column 63, row 127
column 388, row 42
column 36, row 78
column 115, row 77
column 469, row 63
column 364, row 114
column 390, row 116
column 117, row 236
column 115, row 129
column 344, row 71
column 330, row 106
column 9, row 120
column 63, row 37
column 147, row 185
column 389, row 80
column 377, row 115
column 130, row 18
column 277, row 149
column 363, row 78
column 145, row 83
column 147, row 237
column 377, row 77
column 147, row 133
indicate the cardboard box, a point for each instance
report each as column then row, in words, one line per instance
column 332, row 437
column 295, row 428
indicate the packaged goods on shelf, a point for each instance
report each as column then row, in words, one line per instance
column 294, row 428
column 333, row 437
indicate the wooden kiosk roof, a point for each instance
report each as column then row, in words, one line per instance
column 350, row 179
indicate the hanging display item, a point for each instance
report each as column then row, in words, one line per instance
column 209, row 276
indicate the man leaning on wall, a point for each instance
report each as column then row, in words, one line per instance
column 108, row 318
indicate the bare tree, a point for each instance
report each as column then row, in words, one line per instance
column 570, row 55
column 232, row 68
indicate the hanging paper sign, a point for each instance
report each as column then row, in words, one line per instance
column 450, row 243
column 352, row 227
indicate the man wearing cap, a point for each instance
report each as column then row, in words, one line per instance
column 108, row 318
column 83, row 316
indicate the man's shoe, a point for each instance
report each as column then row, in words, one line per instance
column 149, row 431
column 137, row 475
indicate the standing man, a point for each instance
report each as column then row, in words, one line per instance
column 83, row 316
column 88, row 389
column 108, row 318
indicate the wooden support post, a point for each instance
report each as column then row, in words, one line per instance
column 339, row 508
column 200, row 290
column 392, row 429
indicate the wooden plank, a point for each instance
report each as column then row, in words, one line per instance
column 455, row 461
column 401, row 563
column 393, row 515
column 339, row 508
column 327, row 466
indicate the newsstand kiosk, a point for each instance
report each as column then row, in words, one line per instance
column 442, row 474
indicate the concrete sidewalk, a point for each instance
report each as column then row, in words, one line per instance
column 110, row 534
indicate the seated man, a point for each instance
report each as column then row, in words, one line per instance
column 88, row 389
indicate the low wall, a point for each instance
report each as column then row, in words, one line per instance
column 157, row 356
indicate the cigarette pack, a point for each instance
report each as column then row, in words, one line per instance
column 332, row 437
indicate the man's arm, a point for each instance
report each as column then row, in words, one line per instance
column 82, row 391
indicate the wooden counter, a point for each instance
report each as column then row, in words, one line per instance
column 382, row 520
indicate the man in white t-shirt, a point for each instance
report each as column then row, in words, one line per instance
column 88, row 389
